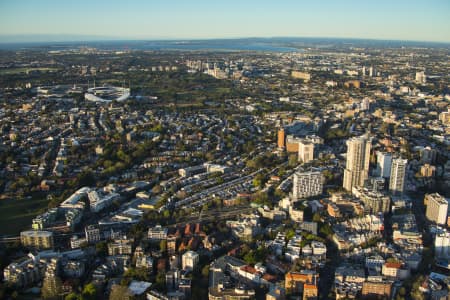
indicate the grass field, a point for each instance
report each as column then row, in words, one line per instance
column 16, row 214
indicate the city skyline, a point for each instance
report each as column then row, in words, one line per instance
column 27, row 21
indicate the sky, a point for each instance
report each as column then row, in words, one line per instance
column 34, row 20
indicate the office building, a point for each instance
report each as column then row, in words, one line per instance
column 357, row 167
column 307, row 184
column 398, row 174
column 437, row 207
column 305, row 151
column 384, row 161
column 37, row 239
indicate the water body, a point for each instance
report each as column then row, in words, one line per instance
column 243, row 44
column 179, row 45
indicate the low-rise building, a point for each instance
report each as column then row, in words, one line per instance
column 373, row 289
column 37, row 239
column 395, row 270
column 157, row 233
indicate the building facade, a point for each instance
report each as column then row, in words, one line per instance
column 307, row 184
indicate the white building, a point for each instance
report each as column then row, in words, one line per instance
column 189, row 260
column 307, row 184
column 99, row 201
column 305, row 151
column 398, row 174
column 437, row 207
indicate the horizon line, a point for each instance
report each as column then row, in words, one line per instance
column 81, row 38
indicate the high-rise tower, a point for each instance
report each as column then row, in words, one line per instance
column 398, row 173
column 357, row 166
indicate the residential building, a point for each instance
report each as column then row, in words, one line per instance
column 373, row 289
column 92, row 233
column 437, row 208
column 189, row 260
column 421, row 77
column 157, row 233
column 99, row 200
column 24, row 273
column 295, row 281
column 307, row 184
column 305, row 151
column 442, row 244
column 373, row 201
column 357, row 166
column 444, row 117
column 301, row 75
column 427, row 170
column 395, row 270
column 398, row 175
column 384, row 161
column 119, row 247
column 428, row 155
column 37, row 239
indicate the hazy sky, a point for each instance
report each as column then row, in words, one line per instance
column 424, row 20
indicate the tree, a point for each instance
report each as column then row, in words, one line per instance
column 89, row 292
column 205, row 271
column 326, row 230
column 160, row 282
column 86, row 178
column 293, row 160
column 101, row 248
column 72, row 296
column 316, row 217
column 259, row 181
column 163, row 245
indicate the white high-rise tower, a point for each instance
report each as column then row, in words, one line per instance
column 398, row 173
